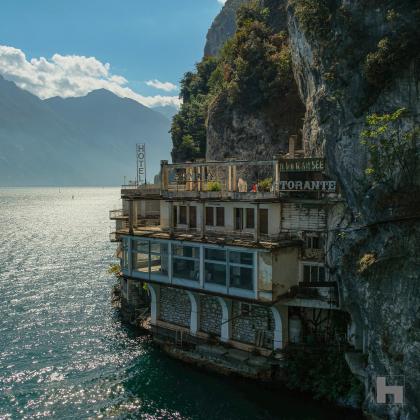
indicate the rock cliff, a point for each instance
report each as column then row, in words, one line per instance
column 242, row 130
column 353, row 59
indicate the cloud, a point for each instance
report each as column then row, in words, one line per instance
column 69, row 76
column 166, row 86
column 221, row 1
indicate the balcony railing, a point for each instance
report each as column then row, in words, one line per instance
column 115, row 237
column 118, row 214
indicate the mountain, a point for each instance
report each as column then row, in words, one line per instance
column 88, row 140
column 223, row 27
column 167, row 110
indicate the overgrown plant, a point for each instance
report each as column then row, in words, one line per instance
column 115, row 270
column 392, row 149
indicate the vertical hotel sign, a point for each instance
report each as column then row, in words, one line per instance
column 141, row 163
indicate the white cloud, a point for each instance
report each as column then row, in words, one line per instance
column 69, row 76
column 166, row 86
column 221, row 1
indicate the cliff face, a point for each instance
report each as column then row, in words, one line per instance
column 352, row 59
column 249, row 132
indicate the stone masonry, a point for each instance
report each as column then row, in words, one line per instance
column 211, row 315
column 175, row 306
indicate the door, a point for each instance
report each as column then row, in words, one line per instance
column 193, row 217
column 239, row 218
column 264, row 221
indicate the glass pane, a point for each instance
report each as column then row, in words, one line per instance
column 159, row 264
column 241, row 277
column 158, row 248
column 220, row 216
column 306, row 273
column 185, row 251
column 250, row 218
column 209, row 216
column 140, row 262
column 241, row 257
column 186, row 269
column 314, row 273
column 215, row 273
column 142, row 246
column 182, row 215
column 215, row 254
column 321, row 274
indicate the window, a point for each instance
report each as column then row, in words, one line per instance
column 193, row 217
column 264, row 221
column 313, row 273
column 250, row 219
column 175, row 216
column 159, row 258
column 215, row 266
column 209, row 216
column 140, row 256
column 182, row 215
column 239, row 218
column 220, row 216
column 186, row 262
column 125, row 255
column 314, row 242
column 241, row 269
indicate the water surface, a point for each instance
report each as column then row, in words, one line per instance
column 63, row 350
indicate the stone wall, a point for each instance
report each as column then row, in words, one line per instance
column 210, row 315
column 175, row 306
column 245, row 327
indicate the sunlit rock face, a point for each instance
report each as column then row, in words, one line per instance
column 338, row 84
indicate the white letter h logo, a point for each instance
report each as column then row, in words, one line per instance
column 382, row 390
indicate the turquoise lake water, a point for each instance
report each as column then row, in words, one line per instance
column 63, row 350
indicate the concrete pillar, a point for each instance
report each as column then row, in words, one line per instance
column 276, row 175
column 195, row 312
column 171, row 218
column 281, row 323
column 257, row 223
column 164, row 175
column 203, row 219
column 226, row 327
column 230, row 178
column 155, row 302
column 234, row 179
column 130, row 215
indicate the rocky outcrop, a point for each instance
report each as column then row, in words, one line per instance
column 246, row 132
column 332, row 43
column 223, row 27
column 256, row 136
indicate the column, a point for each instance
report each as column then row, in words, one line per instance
column 257, row 223
column 226, row 327
column 155, row 302
column 276, row 175
column 203, row 219
column 130, row 215
column 281, row 322
column 195, row 312
column 171, row 217
column 163, row 175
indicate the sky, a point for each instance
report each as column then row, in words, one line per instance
column 135, row 48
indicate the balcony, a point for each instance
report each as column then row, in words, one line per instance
column 115, row 237
column 141, row 191
column 315, row 294
column 246, row 180
column 119, row 214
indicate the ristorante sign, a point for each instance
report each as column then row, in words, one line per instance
column 326, row 186
column 302, row 165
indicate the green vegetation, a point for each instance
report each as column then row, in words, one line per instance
column 314, row 16
column 115, row 270
column 214, row 186
column 323, row 372
column 188, row 126
column 392, row 149
column 265, row 185
column 253, row 70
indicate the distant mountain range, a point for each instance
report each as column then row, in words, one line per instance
column 88, row 140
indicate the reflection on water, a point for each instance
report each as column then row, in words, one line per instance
column 63, row 350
